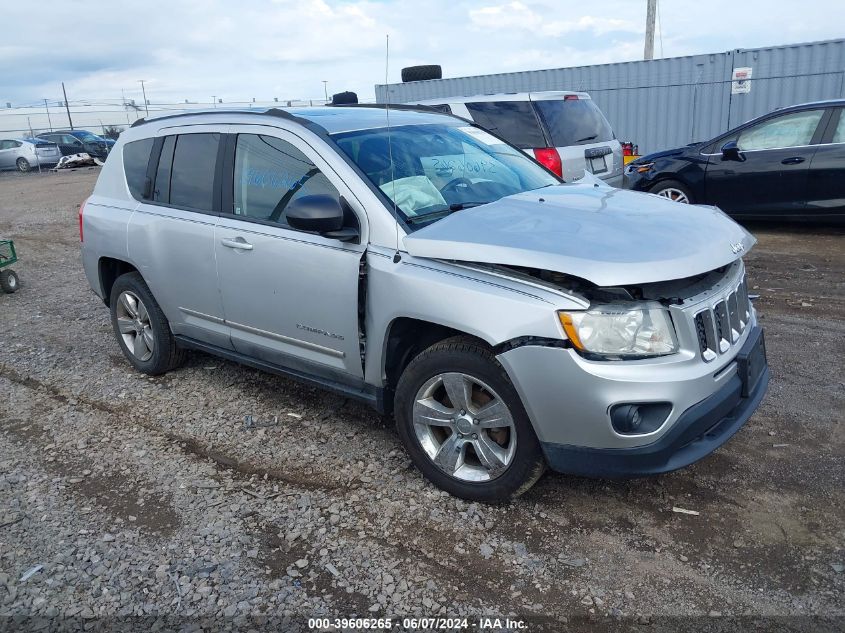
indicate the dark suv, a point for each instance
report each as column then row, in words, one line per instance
column 78, row 141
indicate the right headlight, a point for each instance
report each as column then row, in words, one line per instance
column 617, row 331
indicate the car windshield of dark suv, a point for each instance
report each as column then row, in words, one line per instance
column 439, row 169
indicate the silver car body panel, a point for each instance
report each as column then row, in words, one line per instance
column 605, row 235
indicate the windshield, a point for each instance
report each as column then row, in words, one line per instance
column 574, row 122
column 438, row 169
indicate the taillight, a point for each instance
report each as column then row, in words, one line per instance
column 570, row 97
column 81, row 210
column 550, row 159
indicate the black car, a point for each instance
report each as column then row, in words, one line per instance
column 788, row 165
column 78, row 141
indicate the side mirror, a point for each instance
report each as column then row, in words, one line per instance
column 731, row 151
column 321, row 214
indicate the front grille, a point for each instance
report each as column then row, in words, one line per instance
column 720, row 326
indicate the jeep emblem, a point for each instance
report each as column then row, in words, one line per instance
column 737, row 247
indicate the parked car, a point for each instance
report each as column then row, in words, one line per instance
column 786, row 165
column 26, row 154
column 507, row 320
column 78, row 141
column 565, row 131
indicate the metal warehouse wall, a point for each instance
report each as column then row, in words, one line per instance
column 669, row 102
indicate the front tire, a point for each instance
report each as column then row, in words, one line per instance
column 23, row 165
column 141, row 329
column 463, row 423
column 673, row 190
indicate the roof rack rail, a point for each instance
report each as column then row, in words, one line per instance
column 275, row 112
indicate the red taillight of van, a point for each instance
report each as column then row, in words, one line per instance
column 550, row 159
column 81, row 211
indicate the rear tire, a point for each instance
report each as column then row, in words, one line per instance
column 9, row 281
column 141, row 329
column 422, row 73
column 673, row 190
column 23, row 165
column 496, row 455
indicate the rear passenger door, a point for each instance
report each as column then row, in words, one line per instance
column 171, row 233
column 290, row 297
column 826, row 177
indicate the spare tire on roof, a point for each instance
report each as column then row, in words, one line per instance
column 342, row 98
column 422, row 73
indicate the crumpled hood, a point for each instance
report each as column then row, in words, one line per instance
column 611, row 237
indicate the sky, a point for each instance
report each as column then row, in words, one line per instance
column 236, row 51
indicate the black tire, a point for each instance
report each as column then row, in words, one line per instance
column 344, row 98
column 9, row 281
column 664, row 187
column 422, row 73
column 166, row 355
column 471, row 357
column 23, row 165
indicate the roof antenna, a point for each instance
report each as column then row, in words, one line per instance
column 396, row 256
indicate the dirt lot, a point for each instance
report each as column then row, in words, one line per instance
column 151, row 497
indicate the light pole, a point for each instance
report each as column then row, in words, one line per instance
column 214, row 100
column 326, row 89
column 67, row 107
column 49, row 122
column 144, row 92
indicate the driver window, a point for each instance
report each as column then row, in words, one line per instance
column 789, row 130
column 271, row 173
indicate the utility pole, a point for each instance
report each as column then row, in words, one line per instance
column 326, row 89
column 49, row 122
column 214, row 100
column 144, row 92
column 67, row 107
column 650, row 16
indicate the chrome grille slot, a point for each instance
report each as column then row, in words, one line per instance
column 733, row 315
column 720, row 326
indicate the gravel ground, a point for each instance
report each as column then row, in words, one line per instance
column 151, row 497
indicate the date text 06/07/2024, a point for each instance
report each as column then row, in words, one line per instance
column 417, row 624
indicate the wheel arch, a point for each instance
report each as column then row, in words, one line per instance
column 108, row 270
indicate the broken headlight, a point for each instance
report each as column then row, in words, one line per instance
column 621, row 330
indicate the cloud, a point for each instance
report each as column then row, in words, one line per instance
column 192, row 49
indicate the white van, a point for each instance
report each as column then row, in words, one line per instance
column 565, row 131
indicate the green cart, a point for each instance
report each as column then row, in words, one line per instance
column 9, row 281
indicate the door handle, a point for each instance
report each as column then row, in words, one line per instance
column 236, row 242
column 792, row 160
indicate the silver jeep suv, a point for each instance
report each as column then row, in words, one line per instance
column 508, row 321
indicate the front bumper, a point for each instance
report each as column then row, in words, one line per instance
column 570, row 409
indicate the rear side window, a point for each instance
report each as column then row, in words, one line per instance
column 839, row 133
column 271, row 173
column 574, row 122
column 514, row 121
column 136, row 155
column 192, row 173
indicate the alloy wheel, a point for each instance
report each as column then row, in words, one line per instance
column 464, row 427
column 133, row 322
column 674, row 194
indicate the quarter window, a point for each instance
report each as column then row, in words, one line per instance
column 136, row 155
column 271, row 173
column 788, row 130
